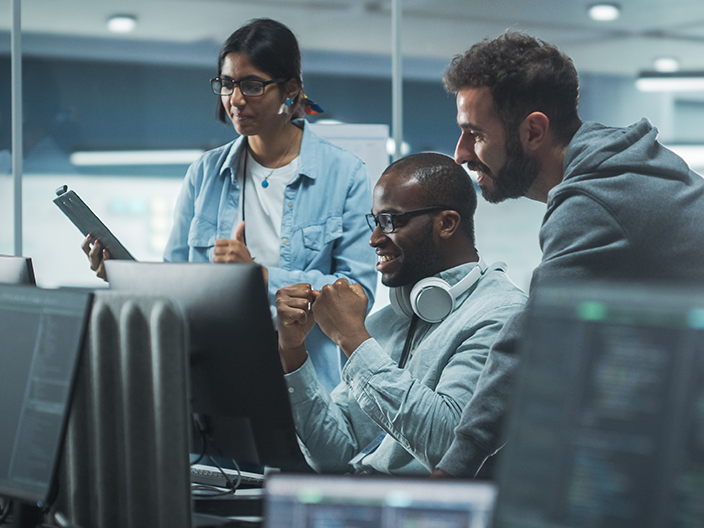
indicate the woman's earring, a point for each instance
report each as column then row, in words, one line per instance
column 285, row 108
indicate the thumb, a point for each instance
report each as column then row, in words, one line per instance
column 358, row 289
column 239, row 233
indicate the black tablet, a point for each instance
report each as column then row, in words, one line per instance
column 88, row 223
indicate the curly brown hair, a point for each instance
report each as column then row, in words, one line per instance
column 524, row 75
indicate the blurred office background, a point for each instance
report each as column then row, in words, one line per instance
column 91, row 93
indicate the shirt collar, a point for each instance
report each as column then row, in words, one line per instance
column 307, row 165
column 453, row 275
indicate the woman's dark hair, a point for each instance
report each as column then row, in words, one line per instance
column 272, row 48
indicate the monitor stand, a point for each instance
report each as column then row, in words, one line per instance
column 26, row 515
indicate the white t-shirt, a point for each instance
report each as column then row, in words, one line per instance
column 263, row 208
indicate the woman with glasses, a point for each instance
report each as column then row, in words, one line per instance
column 278, row 195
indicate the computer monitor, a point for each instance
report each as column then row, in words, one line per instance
column 16, row 270
column 238, row 393
column 607, row 425
column 41, row 337
column 302, row 501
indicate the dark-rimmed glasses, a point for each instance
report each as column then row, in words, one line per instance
column 387, row 221
column 250, row 88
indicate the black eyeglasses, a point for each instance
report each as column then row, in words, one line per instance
column 250, row 88
column 387, row 221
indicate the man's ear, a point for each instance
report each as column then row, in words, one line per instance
column 447, row 222
column 534, row 131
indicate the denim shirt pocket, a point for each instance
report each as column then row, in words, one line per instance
column 318, row 242
column 201, row 233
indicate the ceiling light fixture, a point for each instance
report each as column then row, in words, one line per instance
column 122, row 23
column 666, row 64
column 670, row 82
column 604, row 12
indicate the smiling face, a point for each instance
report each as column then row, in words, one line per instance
column 252, row 116
column 503, row 169
column 411, row 252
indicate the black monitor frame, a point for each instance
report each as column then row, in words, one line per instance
column 16, row 270
column 604, row 424
column 238, row 392
column 42, row 333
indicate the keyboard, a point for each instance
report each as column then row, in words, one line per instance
column 211, row 476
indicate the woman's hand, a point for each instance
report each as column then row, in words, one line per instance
column 235, row 251
column 96, row 255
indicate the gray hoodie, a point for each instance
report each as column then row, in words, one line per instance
column 626, row 209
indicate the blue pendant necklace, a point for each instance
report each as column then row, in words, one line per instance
column 265, row 181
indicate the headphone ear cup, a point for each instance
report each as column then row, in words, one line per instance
column 432, row 300
column 400, row 302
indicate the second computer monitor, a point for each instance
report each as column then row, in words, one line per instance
column 16, row 270
column 607, row 427
column 239, row 396
column 41, row 337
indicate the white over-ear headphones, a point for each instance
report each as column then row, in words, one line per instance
column 432, row 299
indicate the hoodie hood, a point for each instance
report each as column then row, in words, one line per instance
column 597, row 151
column 627, row 208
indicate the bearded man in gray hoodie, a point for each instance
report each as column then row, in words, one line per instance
column 620, row 206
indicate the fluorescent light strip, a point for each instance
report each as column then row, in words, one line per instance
column 692, row 154
column 136, row 157
column 670, row 84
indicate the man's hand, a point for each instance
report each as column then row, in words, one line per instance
column 96, row 255
column 295, row 321
column 441, row 474
column 235, row 251
column 340, row 310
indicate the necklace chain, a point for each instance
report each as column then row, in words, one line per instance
column 265, row 182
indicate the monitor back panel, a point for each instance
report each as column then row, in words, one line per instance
column 237, row 382
column 607, row 425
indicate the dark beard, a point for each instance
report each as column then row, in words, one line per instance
column 516, row 176
column 423, row 261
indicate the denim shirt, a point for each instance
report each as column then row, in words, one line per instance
column 324, row 235
column 417, row 408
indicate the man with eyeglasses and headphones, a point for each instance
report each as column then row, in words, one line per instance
column 413, row 365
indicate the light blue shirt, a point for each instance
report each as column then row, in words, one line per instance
column 418, row 407
column 324, row 235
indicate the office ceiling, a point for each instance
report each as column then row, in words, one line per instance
column 432, row 29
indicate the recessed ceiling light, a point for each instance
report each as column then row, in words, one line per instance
column 604, row 12
column 122, row 23
column 666, row 64
column 681, row 81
